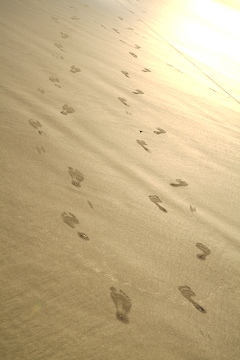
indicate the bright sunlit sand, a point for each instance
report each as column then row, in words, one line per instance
column 120, row 180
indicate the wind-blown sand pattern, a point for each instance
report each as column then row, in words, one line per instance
column 120, row 162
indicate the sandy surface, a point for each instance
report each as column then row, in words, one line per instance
column 119, row 189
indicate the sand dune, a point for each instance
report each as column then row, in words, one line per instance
column 120, row 188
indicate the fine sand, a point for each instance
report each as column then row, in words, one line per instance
column 120, row 188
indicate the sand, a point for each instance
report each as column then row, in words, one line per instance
column 119, row 187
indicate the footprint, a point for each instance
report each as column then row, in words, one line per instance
column 143, row 144
column 67, row 110
column 83, row 236
column 116, row 30
column 129, row 28
column 41, row 91
column 205, row 251
column 40, row 150
column 90, row 204
column 55, row 19
column 76, row 176
column 138, row 92
column 75, row 18
column 35, row 123
column 125, row 73
column 70, row 219
column 120, row 18
column 137, row 46
column 75, row 69
column 123, row 304
column 187, row 292
column 155, row 199
column 159, row 131
column 134, row 55
column 59, row 46
column 180, row 183
column 192, row 208
column 63, row 35
column 55, row 80
column 124, row 101
column 146, row 70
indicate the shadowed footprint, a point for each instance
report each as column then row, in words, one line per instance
column 159, row 131
column 75, row 69
column 125, row 73
column 143, row 144
column 180, row 183
column 76, row 176
column 70, row 219
column 124, row 101
column 67, row 110
column 155, row 199
column 116, row 30
column 123, row 304
column 205, row 251
column 146, row 70
column 192, row 208
column 137, row 46
column 187, row 292
column 134, row 55
column 138, row 92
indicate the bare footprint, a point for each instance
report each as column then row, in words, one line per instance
column 124, row 101
column 205, row 251
column 75, row 69
column 76, row 176
column 146, row 70
column 40, row 149
column 159, row 131
column 125, row 73
column 83, row 236
column 138, row 92
column 134, row 55
column 187, row 292
column 180, row 183
column 55, row 80
column 41, row 91
column 143, row 144
column 67, row 110
column 123, row 304
column 59, row 46
column 70, row 219
column 35, row 123
column 155, row 199
column 90, row 204
column 55, row 19
column 63, row 35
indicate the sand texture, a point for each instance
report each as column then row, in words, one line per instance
column 120, row 185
